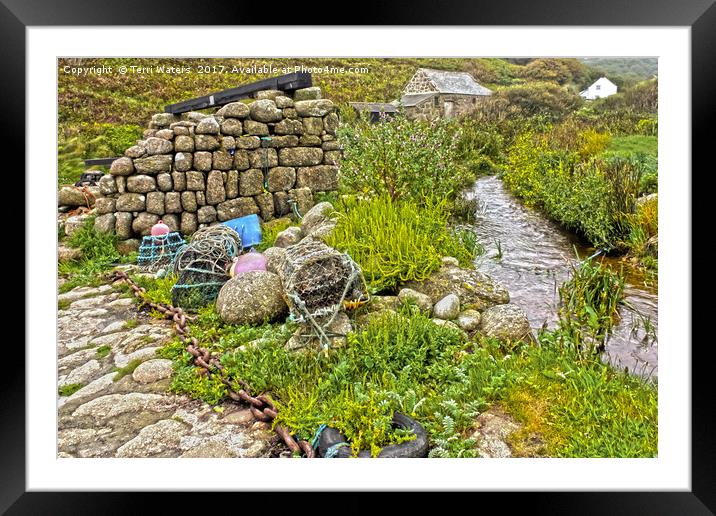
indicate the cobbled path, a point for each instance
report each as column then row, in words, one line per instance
column 135, row 416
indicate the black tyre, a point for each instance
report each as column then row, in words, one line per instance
column 417, row 447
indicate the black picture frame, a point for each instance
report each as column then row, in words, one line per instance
column 700, row 15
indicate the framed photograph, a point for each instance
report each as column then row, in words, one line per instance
column 438, row 243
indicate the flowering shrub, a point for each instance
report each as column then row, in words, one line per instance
column 402, row 158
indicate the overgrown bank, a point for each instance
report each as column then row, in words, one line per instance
column 575, row 405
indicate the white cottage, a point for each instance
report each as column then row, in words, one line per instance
column 601, row 88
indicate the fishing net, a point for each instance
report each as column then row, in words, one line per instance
column 218, row 235
column 318, row 281
column 158, row 252
column 203, row 266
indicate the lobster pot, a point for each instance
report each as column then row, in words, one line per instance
column 197, row 288
column 159, row 252
column 218, row 235
column 203, row 266
column 317, row 279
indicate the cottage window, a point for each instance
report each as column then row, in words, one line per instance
column 599, row 87
column 436, row 102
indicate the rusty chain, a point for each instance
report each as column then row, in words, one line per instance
column 260, row 406
column 87, row 195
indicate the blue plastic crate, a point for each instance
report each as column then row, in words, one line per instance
column 248, row 228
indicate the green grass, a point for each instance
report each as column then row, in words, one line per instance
column 158, row 290
column 124, row 371
column 70, row 389
column 397, row 241
column 76, row 143
column 130, row 323
column 580, row 408
column 270, row 230
column 99, row 255
column 103, row 351
column 633, row 144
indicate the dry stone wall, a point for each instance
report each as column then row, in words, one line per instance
column 198, row 169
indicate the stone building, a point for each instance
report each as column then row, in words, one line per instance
column 440, row 94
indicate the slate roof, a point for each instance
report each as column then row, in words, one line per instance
column 374, row 107
column 415, row 98
column 455, row 82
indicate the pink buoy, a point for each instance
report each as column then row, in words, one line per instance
column 251, row 261
column 160, row 229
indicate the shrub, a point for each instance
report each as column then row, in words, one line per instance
column 593, row 143
column 395, row 363
column 539, row 98
column 589, row 195
column 479, row 146
column 394, row 241
column 648, row 126
column 642, row 98
column 561, row 71
column 580, row 200
column 618, row 122
column 401, row 158
column 643, row 232
column 528, row 161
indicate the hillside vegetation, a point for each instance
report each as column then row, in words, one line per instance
column 636, row 69
column 134, row 97
column 103, row 114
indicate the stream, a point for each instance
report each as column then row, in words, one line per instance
column 536, row 258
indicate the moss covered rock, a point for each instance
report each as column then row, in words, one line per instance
column 252, row 297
